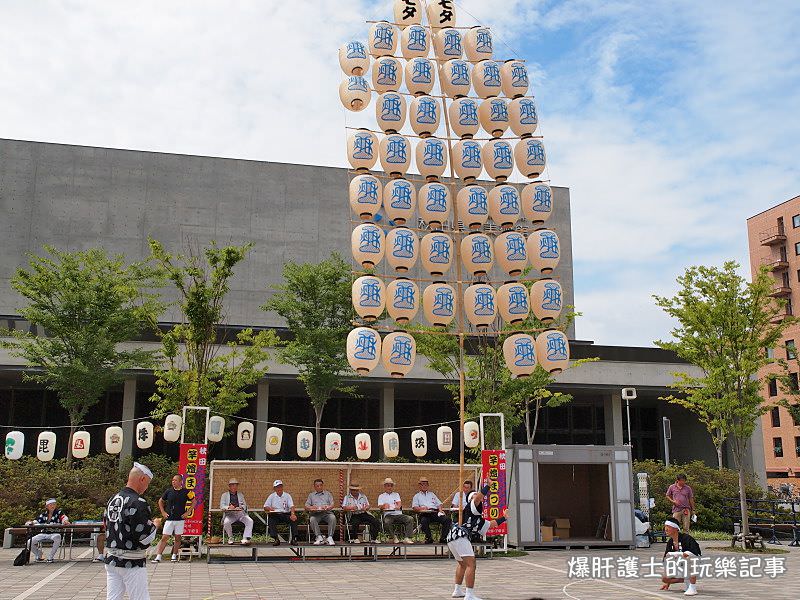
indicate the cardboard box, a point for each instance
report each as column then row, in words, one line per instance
column 561, row 528
column 547, row 533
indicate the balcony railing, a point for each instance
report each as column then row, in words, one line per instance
column 781, row 290
column 776, row 264
column 773, row 235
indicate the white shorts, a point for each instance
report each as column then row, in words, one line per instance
column 461, row 547
column 173, row 527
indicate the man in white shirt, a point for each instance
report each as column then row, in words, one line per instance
column 391, row 505
column 235, row 507
column 280, row 509
column 356, row 505
column 429, row 508
column 319, row 504
column 461, row 498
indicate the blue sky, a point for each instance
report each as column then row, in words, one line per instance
column 671, row 122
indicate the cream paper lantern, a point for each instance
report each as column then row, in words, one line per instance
column 216, row 428
column 519, row 351
column 454, row 77
column 353, row 58
column 390, row 112
column 365, row 196
column 546, row 300
column 498, row 159
column 368, row 244
column 522, row 117
column 391, row 444
column 414, row 42
column 402, row 300
column 144, row 435
column 419, row 442
column 514, row 78
column 399, row 351
column 472, row 434
column 354, row 93
column 407, row 12
column 274, row 440
column 369, row 297
column 424, row 115
column 15, row 445
column 363, row 446
column 114, row 437
column 447, row 44
column 486, row 79
column 362, row 150
column 399, row 200
column 536, row 200
column 544, row 250
column 467, row 160
column 80, row 444
column 473, row 206
column 530, row 157
column 305, row 443
column 552, row 351
column 383, row 38
column 478, row 44
column 387, row 74
column 363, row 349
column 46, row 446
column 172, row 428
column 493, row 115
column 504, row 205
column 419, row 76
column 480, row 304
column 439, row 303
column 333, row 445
column 245, row 433
column 441, row 13
column 402, row 249
column 463, row 116
column 444, row 438
column 513, row 303
column 434, row 204
column 395, row 153
column 436, row 252
column 431, row 158
column 511, row 253
column 477, row 253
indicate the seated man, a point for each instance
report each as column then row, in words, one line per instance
column 391, row 505
column 356, row 505
column 280, row 509
column 461, row 497
column 174, row 509
column 429, row 508
column 680, row 545
column 235, row 507
column 319, row 504
column 51, row 515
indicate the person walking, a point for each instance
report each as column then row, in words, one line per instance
column 174, row 505
column 681, row 497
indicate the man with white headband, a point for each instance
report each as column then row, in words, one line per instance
column 680, row 545
column 51, row 515
column 129, row 532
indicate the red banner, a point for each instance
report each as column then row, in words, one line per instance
column 192, row 466
column 494, row 474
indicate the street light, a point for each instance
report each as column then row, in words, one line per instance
column 629, row 394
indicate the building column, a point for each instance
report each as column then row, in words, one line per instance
column 128, row 416
column 612, row 416
column 386, row 412
column 262, row 416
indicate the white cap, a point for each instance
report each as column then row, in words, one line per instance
column 145, row 471
column 50, row 501
column 276, row 483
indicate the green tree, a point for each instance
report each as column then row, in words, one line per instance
column 787, row 378
column 87, row 304
column 315, row 302
column 724, row 325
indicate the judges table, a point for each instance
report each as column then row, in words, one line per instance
column 68, row 533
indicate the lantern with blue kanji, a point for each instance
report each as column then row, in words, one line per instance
column 434, row 203
column 498, row 159
column 387, row 74
column 480, row 304
column 467, row 161
column 504, row 205
column 513, row 302
column 485, row 79
column 546, row 300
column 354, row 92
column 552, row 350
column 365, row 196
column 395, row 153
column 305, row 443
column 424, row 115
column 510, row 251
column 382, row 39
column 414, row 42
column 390, row 112
column 420, row 76
column 362, row 150
column 368, row 244
column 431, row 158
column 477, row 253
column 353, row 58
column 530, row 157
column 402, row 249
column 402, row 300
column 473, row 206
column 439, row 303
column 478, row 43
column 536, row 200
column 494, row 117
column 447, row 44
column 363, row 349
column 463, row 116
column 454, row 77
column 523, row 117
column 436, row 252
column 544, row 250
column 399, row 200
column 398, row 353
column 514, row 78
column 369, row 297
column 519, row 351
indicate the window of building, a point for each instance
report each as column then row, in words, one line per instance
column 798, row 274
column 789, row 309
column 797, row 248
column 797, row 445
column 795, row 414
column 777, row 447
column 772, row 388
column 775, row 414
column 791, row 350
column 796, row 221
column 793, row 381
column 770, row 352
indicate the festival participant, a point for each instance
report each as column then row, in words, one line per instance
column 319, row 504
column 429, row 508
column 357, row 504
column 51, row 515
column 392, row 506
column 235, row 507
column 280, row 509
column 680, row 545
column 172, row 505
column 460, row 499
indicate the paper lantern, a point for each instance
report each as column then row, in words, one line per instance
column 419, row 442
column 390, row 112
column 441, row 13
column 333, row 445
column 363, row 349
column 514, row 77
column 402, row 249
column 144, row 435
column 367, row 242
column 463, row 116
column 399, row 351
column 245, row 433
column 353, row 58
column 512, row 302
column 414, row 42
column 467, row 159
column 363, row 446
column 493, row 115
column 399, row 200
column 477, row 253
column 512, row 256
column 439, row 304
column 424, row 115
column 391, row 444
column 46, row 446
column 431, row 157
column 522, row 117
column 382, row 40
column 546, row 299
column 419, row 76
column 434, row 204
column 395, row 153
column 530, row 157
column 480, row 304
column 544, row 250
column 454, row 78
column 402, row 300
column 369, row 297
column 552, row 351
column 354, row 93
column 485, row 79
column 172, row 428
column 473, row 206
column 478, row 44
column 362, row 149
column 498, row 159
column 274, row 440
column 444, row 438
column 536, row 201
column 114, row 438
column 365, row 196
column 80, row 444
column 504, row 205
column 520, row 354
column 15, row 444
column 407, row 12
column 447, row 44
column 387, row 74
column 305, row 443
column 472, row 434
column 436, row 252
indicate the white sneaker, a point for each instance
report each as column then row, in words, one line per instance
column 396, row 541
column 690, row 592
column 157, row 559
column 470, row 596
column 330, row 541
column 231, row 542
column 408, row 541
column 319, row 540
column 458, row 592
column 173, row 559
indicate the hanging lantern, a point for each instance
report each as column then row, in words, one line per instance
column 419, row 442
column 407, row 12
column 519, row 352
column 504, row 205
column 537, row 202
column 333, row 445
column 444, row 438
column 447, row 44
column 512, row 256
column 479, row 304
column 493, row 115
column 365, row 197
column 382, row 39
column 498, row 158
column 463, row 116
column 80, row 444
column 274, row 440
column 431, row 157
column 441, row 13
column 467, row 160
column 419, row 76
column 530, row 157
column 353, row 58
column 512, row 302
column 399, row 351
column 367, row 242
column 15, row 445
column 514, row 76
column 402, row 249
column 172, row 428
column 395, row 154
column 454, row 78
column 216, row 428
column 544, row 250
column 390, row 112
column 362, row 150
column 486, row 79
column 414, row 42
column 144, row 435
column 305, row 443
column 552, row 351
column 244, row 435
column 369, row 297
column 472, row 434
column 354, row 93
column 434, row 204
column 399, row 199
column 114, row 439
column 387, row 74
column 478, row 43
column 546, row 300
column 424, row 115
column 391, row 444
column 402, row 300
column 473, row 206
column 436, row 251
column 439, row 303
column 522, row 117
column 46, row 446
column 477, row 253
column 363, row 349
column 363, row 446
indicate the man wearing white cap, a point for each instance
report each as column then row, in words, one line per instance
column 129, row 532
column 392, row 506
column 235, row 507
column 680, row 546
column 51, row 515
column 280, row 507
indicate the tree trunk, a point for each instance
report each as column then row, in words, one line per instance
column 528, row 422
column 73, row 427
column 535, row 420
column 318, row 412
column 743, row 502
column 719, row 457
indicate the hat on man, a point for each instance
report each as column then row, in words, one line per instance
column 354, row 486
column 423, row 480
column 50, row 501
column 276, row 483
column 233, row 480
column 388, row 480
column 145, row 471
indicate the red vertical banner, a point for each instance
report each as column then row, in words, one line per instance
column 192, row 466
column 494, row 474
